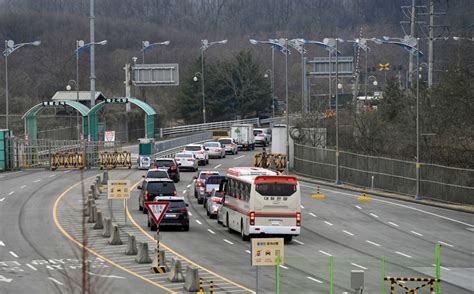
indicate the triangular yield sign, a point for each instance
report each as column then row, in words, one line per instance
column 157, row 210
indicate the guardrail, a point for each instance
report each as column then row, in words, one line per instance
column 270, row 120
column 206, row 126
column 181, row 141
column 171, row 152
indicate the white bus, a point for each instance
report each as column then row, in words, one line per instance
column 258, row 201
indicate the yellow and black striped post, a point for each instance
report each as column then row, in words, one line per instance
column 392, row 287
column 158, row 268
column 318, row 194
column 201, row 287
column 432, row 288
column 364, row 197
column 211, row 287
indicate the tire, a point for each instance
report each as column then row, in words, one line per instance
column 207, row 161
column 242, row 233
column 186, row 228
column 200, row 201
column 140, row 207
column 227, row 223
column 288, row 239
column 148, row 222
column 208, row 214
column 144, row 210
column 217, row 217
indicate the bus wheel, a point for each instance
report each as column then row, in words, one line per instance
column 242, row 233
column 227, row 223
column 288, row 239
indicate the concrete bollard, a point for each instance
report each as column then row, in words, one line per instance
column 105, row 178
column 162, row 258
column 92, row 214
column 107, row 228
column 87, row 209
column 191, row 280
column 93, row 192
column 175, row 274
column 99, row 225
column 131, row 245
column 143, row 256
column 115, row 238
column 96, row 187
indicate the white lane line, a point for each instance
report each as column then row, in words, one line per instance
column 393, row 224
column 442, row 267
column 37, row 181
column 416, row 233
column 302, row 207
column 299, row 242
column 446, row 244
column 2, row 244
column 53, row 175
column 13, row 254
column 328, row 223
column 359, row 266
column 68, row 171
column 198, row 222
column 239, row 157
column 282, row 266
column 190, row 214
column 374, row 215
column 184, row 191
column 325, row 253
column 314, row 280
column 227, row 241
column 32, row 267
column 11, row 193
column 106, row 276
column 22, row 187
column 358, row 207
column 56, row 281
column 373, row 243
column 188, row 186
column 348, row 233
column 248, row 251
column 211, row 231
column 217, row 166
column 402, row 254
column 312, row 214
column 1, row 199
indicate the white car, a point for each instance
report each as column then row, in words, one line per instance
column 186, row 160
column 229, row 145
column 199, row 151
column 262, row 136
column 215, row 149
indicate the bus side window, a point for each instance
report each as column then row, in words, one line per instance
column 247, row 192
column 232, row 188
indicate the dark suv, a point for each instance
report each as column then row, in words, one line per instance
column 175, row 216
column 152, row 188
column 170, row 164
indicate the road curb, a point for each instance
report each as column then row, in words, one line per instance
column 467, row 209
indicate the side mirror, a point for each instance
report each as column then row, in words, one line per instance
column 207, row 149
column 140, row 187
column 179, row 164
column 143, row 176
column 195, row 178
column 187, row 205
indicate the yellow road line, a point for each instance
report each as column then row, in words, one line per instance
column 61, row 229
column 176, row 253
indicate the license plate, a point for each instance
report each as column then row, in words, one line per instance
column 169, row 215
column 276, row 222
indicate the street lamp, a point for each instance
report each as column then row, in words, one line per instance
column 146, row 46
column 205, row 44
column 68, row 88
column 272, row 86
column 10, row 47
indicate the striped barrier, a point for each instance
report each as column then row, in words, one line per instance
column 396, row 282
column 115, row 159
column 66, row 159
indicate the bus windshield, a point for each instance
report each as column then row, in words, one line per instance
column 275, row 189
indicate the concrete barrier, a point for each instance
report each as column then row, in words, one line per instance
column 87, row 209
column 107, row 228
column 191, row 280
column 131, row 245
column 143, row 256
column 175, row 274
column 92, row 214
column 93, row 192
column 99, row 225
column 96, row 186
column 115, row 238
column 105, row 178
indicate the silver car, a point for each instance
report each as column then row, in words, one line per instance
column 229, row 145
column 214, row 204
column 215, row 149
column 186, row 160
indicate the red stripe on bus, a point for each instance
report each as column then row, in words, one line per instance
column 275, row 179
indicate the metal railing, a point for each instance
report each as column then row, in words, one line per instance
column 206, row 126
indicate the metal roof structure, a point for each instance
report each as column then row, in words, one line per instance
column 72, row 96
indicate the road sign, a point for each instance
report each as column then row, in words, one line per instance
column 118, row 189
column 156, row 74
column 384, row 66
column 157, row 210
column 322, row 67
column 266, row 250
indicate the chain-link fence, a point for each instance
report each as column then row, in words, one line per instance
column 437, row 182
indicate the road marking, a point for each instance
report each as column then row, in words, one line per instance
column 22, row 187
column 393, row 224
column 248, row 251
column 2, row 244
column 1, row 199
column 217, row 166
column 32, row 267
column 302, row 207
column 416, row 233
column 228, row 242
column 315, row 280
column 325, row 253
column 198, row 222
column 106, row 276
column 282, row 266
column 444, row 243
column 328, row 223
column 211, row 231
column 403, row 254
column 373, row 243
column 358, row 207
column 56, row 281
column 13, row 254
column 359, row 266
column 348, row 233
column 188, row 186
column 37, row 181
column 239, row 157
column 184, row 191
column 68, row 171
column 299, row 242
column 53, row 175
column 374, row 215
column 312, row 214
column 442, row 267
column 12, row 192
column 3, row 279
column 190, row 214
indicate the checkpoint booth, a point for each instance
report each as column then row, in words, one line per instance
column 145, row 152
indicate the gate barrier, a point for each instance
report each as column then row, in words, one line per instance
column 115, row 159
column 396, row 281
column 66, row 159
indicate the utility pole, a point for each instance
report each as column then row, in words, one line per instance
column 412, row 33
column 430, row 45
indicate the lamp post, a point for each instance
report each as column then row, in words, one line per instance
column 417, row 193
column 272, row 86
column 10, row 47
column 68, row 88
column 205, row 44
column 146, row 46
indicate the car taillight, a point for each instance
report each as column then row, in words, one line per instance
column 252, row 218
column 184, row 211
column 173, row 167
column 202, row 189
column 218, row 149
column 191, row 159
column 298, row 219
column 217, row 200
column 199, row 183
column 146, row 195
column 174, row 193
column 202, row 151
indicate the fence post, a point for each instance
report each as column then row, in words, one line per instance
column 331, row 274
column 382, row 284
column 438, row 268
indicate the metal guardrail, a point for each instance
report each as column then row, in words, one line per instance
column 206, row 126
column 181, row 141
column 171, row 152
column 270, row 120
